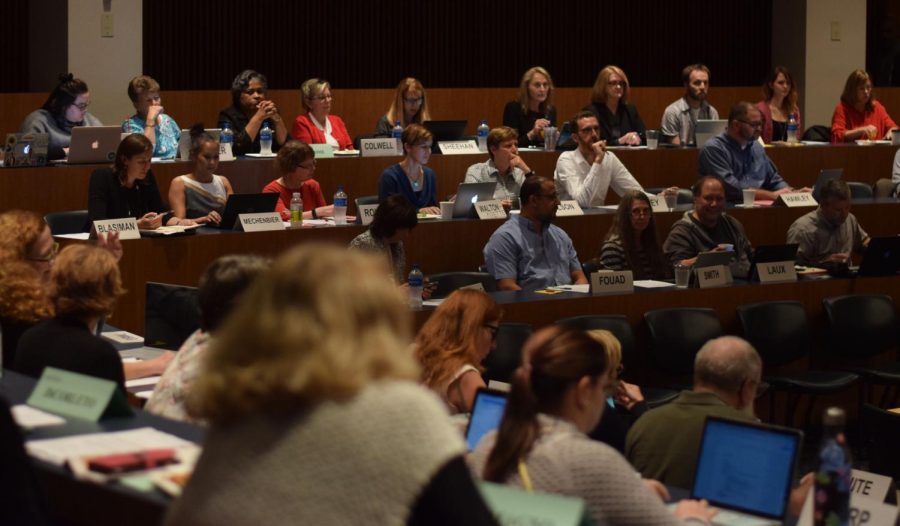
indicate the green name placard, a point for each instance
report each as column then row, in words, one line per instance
column 322, row 151
column 78, row 395
column 512, row 506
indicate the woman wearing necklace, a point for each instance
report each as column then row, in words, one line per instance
column 201, row 194
column 410, row 177
column 780, row 101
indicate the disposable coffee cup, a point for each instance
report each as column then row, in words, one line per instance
column 446, row 209
column 551, row 134
column 749, row 196
column 653, row 140
column 671, row 200
column 682, row 276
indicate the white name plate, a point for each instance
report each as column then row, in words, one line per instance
column 366, row 213
column 458, row 147
column 869, row 485
column 490, row 209
column 225, row 152
column 322, row 151
column 796, row 199
column 776, row 272
column 127, row 227
column 715, row 276
column 569, row 208
column 864, row 511
column 261, row 222
column 380, row 147
column 612, row 282
column 657, row 204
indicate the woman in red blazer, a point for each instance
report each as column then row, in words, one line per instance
column 317, row 126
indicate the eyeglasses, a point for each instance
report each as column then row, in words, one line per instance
column 413, row 101
column 494, row 330
column 253, row 91
column 754, row 124
column 83, row 106
column 589, row 129
column 641, row 212
column 617, row 83
column 48, row 257
column 321, row 98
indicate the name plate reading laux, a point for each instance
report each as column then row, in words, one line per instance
column 569, row 208
column 380, row 147
column 458, row 147
column 715, row 276
column 612, row 282
column 261, row 222
column 490, row 209
column 127, row 227
column 796, row 199
column 776, row 272
column 78, row 395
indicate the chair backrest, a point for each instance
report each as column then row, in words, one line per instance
column 880, row 436
column 450, row 281
column 817, row 133
column 614, row 323
column 884, row 188
column 861, row 325
column 68, row 222
column 777, row 329
column 506, row 358
column 677, row 334
column 860, row 190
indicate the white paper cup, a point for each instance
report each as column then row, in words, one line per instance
column 446, row 209
column 749, row 196
column 682, row 276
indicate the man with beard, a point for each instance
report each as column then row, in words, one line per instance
column 680, row 118
column 527, row 251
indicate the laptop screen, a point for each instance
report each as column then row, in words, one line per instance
column 486, row 415
column 171, row 314
column 746, row 467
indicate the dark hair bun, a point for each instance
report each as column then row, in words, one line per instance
column 197, row 130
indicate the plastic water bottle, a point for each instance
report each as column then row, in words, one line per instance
column 416, row 286
column 792, row 128
column 296, row 209
column 265, row 139
column 340, row 206
column 397, row 132
column 483, row 132
column 832, row 487
column 226, row 140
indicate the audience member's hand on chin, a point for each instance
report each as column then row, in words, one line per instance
column 627, row 395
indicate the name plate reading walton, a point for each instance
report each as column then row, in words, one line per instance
column 380, row 147
column 657, row 204
column 796, row 199
column 127, row 227
column 261, row 222
column 490, row 209
column 458, row 147
column 366, row 213
column 78, row 395
column 715, row 276
column 776, row 272
column 612, row 282
column 322, row 151
column 569, row 208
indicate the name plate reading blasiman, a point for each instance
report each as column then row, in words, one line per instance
column 776, row 272
column 569, row 208
column 458, row 147
column 127, row 227
column 367, row 213
column 380, row 147
column 715, row 276
column 261, row 222
column 796, row 199
column 612, row 282
column 657, row 204
column 490, row 209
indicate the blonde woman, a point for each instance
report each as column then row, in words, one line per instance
column 533, row 109
column 410, row 106
column 620, row 122
column 318, row 125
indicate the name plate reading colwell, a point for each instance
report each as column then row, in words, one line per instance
column 715, row 276
column 127, row 227
column 569, row 208
column 776, row 272
column 490, row 209
column 612, row 282
column 657, row 204
column 261, row 222
column 380, row 147
column 796, row 199
column 366, row 213
column 458, row 147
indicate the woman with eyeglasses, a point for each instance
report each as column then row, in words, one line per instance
column 296, row 162
column 780, row 102
column 410, row 177
column 150, row 119
column 452, row 344
column 64, row 109
column 620, row 122
column 408, row 107
column 632, row 243
column 250, row 108
column 533, row 109
column 317, row 125
column 858, row 116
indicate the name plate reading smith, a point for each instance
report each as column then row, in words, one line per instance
column 657, row 204
column 715, row 276
column 612, row 282
column 490, row 209
column 796, row 199
column 261, row 222
column 569, row 208
column 776, row 272
column 366, row 213
column 380, row 147
column 127, row 227
column 458, row 147
column 78, row 395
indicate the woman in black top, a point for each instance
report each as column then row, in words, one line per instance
column 632, row 243
column 533, row 109
column 250, row 108
column 619, row 120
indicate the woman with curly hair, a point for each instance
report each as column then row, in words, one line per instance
column 454, row 341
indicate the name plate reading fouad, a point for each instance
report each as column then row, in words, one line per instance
column 776, row 272
column 715, row 276
column 261, row 222
column 127, row 227
column 796, row 199
column 380, row 147
column 458, row 147
column 366, row 213
column 78, row 395
column 657, row 204
column 490, row 209
column 612, row 282
column 569, row 208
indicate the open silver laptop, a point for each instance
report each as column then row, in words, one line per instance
column 94, row 144
column 468, row 194
column 707, row 129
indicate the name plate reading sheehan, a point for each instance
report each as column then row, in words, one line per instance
column 776, row 272
column 715, row 276
column 490, row 209
column 612, row 282
column 569, row 208
column 657, row 204
column 322, row 151
column 78, row 395
column 366, row 213
column 458, row 147
column 261, row 222
column 127, row 227
column 796, row 199
column 380, row 147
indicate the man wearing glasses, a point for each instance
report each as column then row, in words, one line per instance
column 740, row 160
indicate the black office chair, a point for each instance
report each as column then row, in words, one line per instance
column 860, row 190
column 880, row 432
column 817, row 133
column 780, row 333
column 507, row 356
column 68, row 222
column 363, row 200
column 685, row 197
column 676, row 334
column 450, row 281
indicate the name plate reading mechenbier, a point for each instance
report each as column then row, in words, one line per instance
column 458, row 147
column 776, row 272
column 612, row 282
column 657, row 204
column 366, row 213
column 715, row 276
column 380, row 147
column 261, row 222
column 322, row 151
column 490, row 209
column 796, row 199
column 127, row 227
column 78, row 395
column 569, row 208
column 513, row 506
